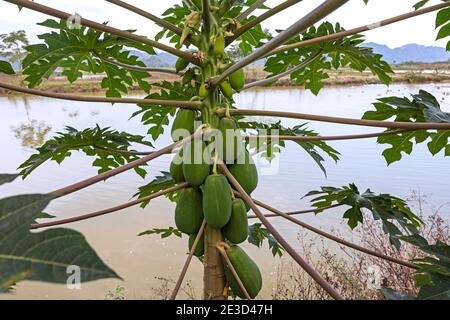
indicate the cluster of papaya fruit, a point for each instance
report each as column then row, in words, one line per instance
column 210, row 196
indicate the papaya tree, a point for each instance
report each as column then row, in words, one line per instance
column 213, row 174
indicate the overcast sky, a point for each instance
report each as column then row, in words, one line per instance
column 417, row 30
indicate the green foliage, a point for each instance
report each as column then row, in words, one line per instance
column 393, row 212
column 158, row 184
column 345, row 52
column 253, row 38
column 43, row 256
column 165, row 233
column 442, row 20
column 156, row 116
column 176, row 15
column 7, row 177
column 433, row 275
column 83, row 50
column 5, row 67
column 423, row 107
column 102, row 143
column 269, row 148
column 256, row 236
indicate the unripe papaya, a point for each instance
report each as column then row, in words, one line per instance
column 188, row 212
column 181, row 64
column 176, row 167
column 236, row 230
column 232, row 144
column 196, row 165
column 247, row 271
column 183, row 124
column 200, row 247
column 219, row 45
column 217, row 201
column 245, row 172
column 203, row 91
column 237, row 80
column 226, row 89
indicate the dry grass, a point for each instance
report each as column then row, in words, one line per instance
column 351, row 273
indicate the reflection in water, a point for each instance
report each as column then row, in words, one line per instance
column 32, row 134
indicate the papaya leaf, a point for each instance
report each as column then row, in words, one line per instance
column 393, row 212
column 158, row 184
column 433, row 274
column 253, row 38
column 345, row 52
column 269, row 148
column 6, row 177
column 164, row 233
column 157, row 117
column 78, row 51
column 44, row 256
column 5, row 67
column 96, row 142
column 257, row 235
column 423, row 107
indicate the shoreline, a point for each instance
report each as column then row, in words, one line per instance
column 337, row 79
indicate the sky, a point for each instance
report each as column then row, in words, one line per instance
column 418, row 30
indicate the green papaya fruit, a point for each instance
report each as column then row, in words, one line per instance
column 203, row 91
column 247, row 271
column 237, row 80
column 176, row 167
column 236, row 230
column 232, row 144
column 200, row 247
column 183, row 124
column 196, row 165
column 217, row 201
column 226, row 89
column 245, row 172
column 181, row 64
column 188, row 212
column 219, row 45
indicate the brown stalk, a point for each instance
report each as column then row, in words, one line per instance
column 109, row 210
column 188, row 261
column 233, row 271
column 102, row 27
column 349, row 121
column 334, row 238
column 304, row 264
column 195, row 105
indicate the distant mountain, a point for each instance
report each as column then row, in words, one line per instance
column 410, row 53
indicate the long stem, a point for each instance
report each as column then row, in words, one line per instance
column 109, row 210
column 315, row 210
column 334, row 238
column 139, row 68
column 266, row 15
column 195, row 105
column 317, row 14
column 233, row 271
column 348, row 121
column 250, row 10
column 103, row 176
column 270, row 80
column 328, row 138
column 360, row 29
column 102, row 27
column 125, row 152
column 188, row 261
column 293, row 253
column 161, row 22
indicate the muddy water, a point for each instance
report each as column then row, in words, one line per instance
column 140, row 260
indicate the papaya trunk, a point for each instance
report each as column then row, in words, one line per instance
column 214, row 275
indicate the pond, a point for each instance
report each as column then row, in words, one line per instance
column 143, row 261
